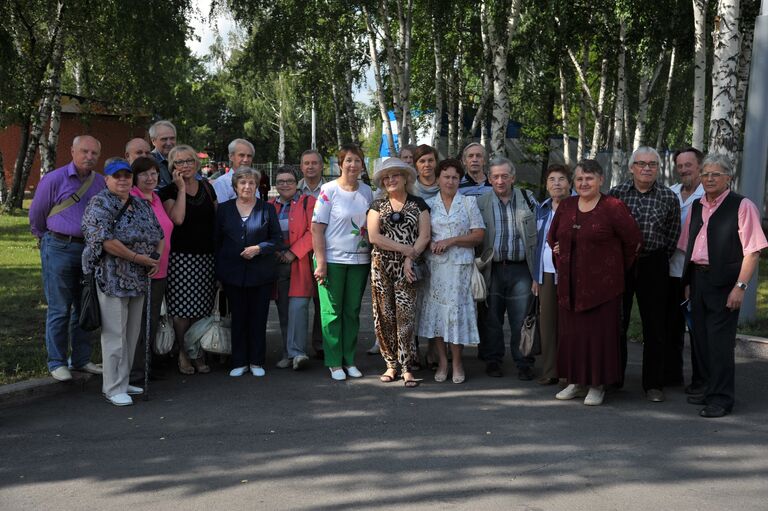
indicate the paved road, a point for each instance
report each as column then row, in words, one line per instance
column 300, row 441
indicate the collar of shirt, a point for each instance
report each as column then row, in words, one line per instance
column 715, row 203
column 304, row 186
column 295, row 197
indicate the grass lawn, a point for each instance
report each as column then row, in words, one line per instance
column 22, row 322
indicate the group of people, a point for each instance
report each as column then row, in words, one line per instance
column 153, row 228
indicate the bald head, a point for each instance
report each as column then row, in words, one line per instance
column 136, row 148
column 85, row 153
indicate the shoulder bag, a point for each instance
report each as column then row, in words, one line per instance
column 530, row 339
column 212, row 332
column 165, row 336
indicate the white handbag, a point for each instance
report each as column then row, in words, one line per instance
column 213, row 332
column 165, row 335
column 479, row 291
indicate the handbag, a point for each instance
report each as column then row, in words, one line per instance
column 165, row 336
column 212, row 332
column 477, row 285
column 420, row 269
column 530, row 338
column 90, row 313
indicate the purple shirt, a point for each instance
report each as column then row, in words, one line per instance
column 54, row 188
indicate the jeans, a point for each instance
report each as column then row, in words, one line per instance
column 62, row 273
column 509, row 293
column 293, row 312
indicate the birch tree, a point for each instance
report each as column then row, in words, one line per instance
column 564, row 114
column 660, row 138
column 380, row 99
column 723, row 138
column 649, row 74
column 617, row 157
column 700, row 72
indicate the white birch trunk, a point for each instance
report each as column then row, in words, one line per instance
column 393, row 66
column 617, row 156
column 648, row 77
column 722, row 137
column 451, row 109
column 479, row 120
column 500, row 45
column 699, row 73
column 337, row 115
column 745, row 61
column 349, row 106
column 437, row 124
column 48, row 161
column 405, row 19
column 564, row 114
column 597, row 132
column 661, row 136
column 385, row 125
column 280, row 131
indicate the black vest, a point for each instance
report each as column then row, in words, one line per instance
column 723, row 242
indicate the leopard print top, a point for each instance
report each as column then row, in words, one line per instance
column 406, row 231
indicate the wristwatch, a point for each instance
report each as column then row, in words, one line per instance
column 741, row 285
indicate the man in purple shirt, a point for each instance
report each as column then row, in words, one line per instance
column 55, row 217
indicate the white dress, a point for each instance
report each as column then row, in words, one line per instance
column 448, row 309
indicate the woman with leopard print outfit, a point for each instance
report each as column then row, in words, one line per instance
column 398, row 229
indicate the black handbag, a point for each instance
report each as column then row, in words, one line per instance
column 530, row 338
column 90, row 313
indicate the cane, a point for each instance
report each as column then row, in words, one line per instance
column 147, row 344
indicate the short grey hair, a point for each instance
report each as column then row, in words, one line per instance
column 311, row 151
column 79, row 138
column 721, row 160
column 153, row 128
column 644, row 150
column 473, row 144
column 499, row 161
column 240, row 141
column 246, row 172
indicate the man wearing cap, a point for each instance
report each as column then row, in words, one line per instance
column 55, row 218
column 722, row 239
column 163, row 137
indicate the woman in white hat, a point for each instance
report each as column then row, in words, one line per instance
column 399, row 230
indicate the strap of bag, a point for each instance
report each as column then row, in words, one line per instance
column 527, row 199
column 74, row 198
column 122, row 210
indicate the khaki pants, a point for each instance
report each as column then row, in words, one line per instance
column 120, row 326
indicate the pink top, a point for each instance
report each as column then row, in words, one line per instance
column 165, row 223
column 750, row 231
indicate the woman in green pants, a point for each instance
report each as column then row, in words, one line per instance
column 342, row 260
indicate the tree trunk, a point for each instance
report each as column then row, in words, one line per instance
column 337, row 115
column 479, row 120
column 3, row 180
column 648, row 79
column 660, row 137
column 349, row 106
column 281, row 134
column 394, row 68
column 451, row 108
column 48, row 163
column 617, row 156
column 745, row 61
column 597, row 132
column 460, row 92
column 405, row 17
column 564, row 114
column 699, row 73
column 437, row 125
column 500, row 48
column 722, row 137
column 385, row 125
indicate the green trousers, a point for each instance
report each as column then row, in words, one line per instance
column 340, row 299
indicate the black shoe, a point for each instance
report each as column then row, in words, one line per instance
column 493, row 369
column 695, row 390
column 525, row 374
column 697, row 400
column 713, row 412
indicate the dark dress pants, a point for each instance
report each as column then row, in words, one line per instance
column 714, row 333
column 249, row 307
column 647, row 279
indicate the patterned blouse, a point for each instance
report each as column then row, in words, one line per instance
column 403, row 229
column 137, row 229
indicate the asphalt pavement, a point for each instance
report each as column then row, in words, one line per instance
column 298, row 440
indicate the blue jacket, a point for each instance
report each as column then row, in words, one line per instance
column 232, row 235
column 542, row 213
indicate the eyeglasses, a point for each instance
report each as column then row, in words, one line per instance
column 713, row 175
column 650, row 164
column 284, row 182
column 148, row 175
column 391, row 176
column 181, row 163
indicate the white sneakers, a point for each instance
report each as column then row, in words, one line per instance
column 353, row 372
column 593, row 398
column 61, row 373
column 571, row 391
column 120, row 400
column 300, row 362
column 284, row 363
column 238, row 371
column 338, row 374
column 92, row 368
column 135, row 391
column 257, row 370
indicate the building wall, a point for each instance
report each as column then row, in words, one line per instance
column 110, row 130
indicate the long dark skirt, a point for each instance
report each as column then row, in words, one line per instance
column 588, row 344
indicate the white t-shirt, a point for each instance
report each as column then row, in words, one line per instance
column 344, row 213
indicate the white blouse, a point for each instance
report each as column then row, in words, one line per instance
column 463, row 216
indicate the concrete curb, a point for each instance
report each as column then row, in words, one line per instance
column 749, row 346
column 25, row 391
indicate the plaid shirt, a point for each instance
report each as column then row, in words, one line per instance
column 657, row 213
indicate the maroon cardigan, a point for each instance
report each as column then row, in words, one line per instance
column 603, row 246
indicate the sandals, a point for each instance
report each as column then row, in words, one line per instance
column 185, row 367
column 201, row 366
column 388, row 378
column 411, row 382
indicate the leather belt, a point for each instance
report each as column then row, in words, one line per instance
column 509, row 262
column 701, row 267
column 68, row 239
